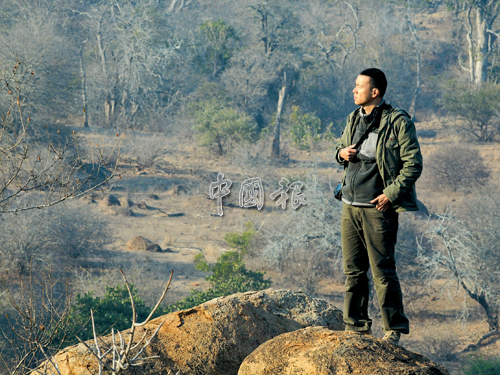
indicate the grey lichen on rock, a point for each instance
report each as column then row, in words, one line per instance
column 215, row 337
column 318, row 350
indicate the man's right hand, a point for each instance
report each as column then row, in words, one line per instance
column 349, row 153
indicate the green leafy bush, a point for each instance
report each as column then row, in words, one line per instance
column 229, row 275
column 478, row 108
column 216, row 46
column 220, row 127
column 481, row 366
column 114, row 310
column 305, row 128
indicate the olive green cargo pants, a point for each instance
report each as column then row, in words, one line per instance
column 368, row 241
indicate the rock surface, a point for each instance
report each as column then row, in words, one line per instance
column 215, row 337
column 140, row 243
column 110, row 200
column 318, row 350
column 142, row 205
column 119, row 211
column 125, row 202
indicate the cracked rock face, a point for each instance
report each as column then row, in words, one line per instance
column 320, row 351
column 215, row 337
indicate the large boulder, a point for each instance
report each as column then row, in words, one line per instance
column 140, row 243
column 109, row 200
column 125, row 202
column 119, row 211
column 319, row 350
column 215, row 337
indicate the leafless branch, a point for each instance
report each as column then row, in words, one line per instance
column 125, row 354
column 345, row 29
column 42, row 314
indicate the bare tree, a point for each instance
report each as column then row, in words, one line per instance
column 37, row 319
column 345, row 42
column 63, row 233
column 462, row 247
column 453, row 171
column 248, row 78
column 477, row 19
column 39, row 328
column 34, row 35
column 130, row 75
column 414, row 30
column 304, row 246
column 36, row 169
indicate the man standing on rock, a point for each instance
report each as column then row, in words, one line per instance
column 381, row 157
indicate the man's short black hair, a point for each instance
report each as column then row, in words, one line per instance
column 378, row 79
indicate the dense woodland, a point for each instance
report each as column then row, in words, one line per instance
column 140, row 64
column 229, row 74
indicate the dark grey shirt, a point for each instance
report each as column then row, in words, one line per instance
column 363, row 182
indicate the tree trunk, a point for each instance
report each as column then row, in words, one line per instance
column 84, row 90
column 481, row 52
column 416, row 93
column 276, row 142
column 109, row 107
column 491, row 313
column 172, row 6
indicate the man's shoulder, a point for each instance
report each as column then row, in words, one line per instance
column 397, row 113
column 354, row 113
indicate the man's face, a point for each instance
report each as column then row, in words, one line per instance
column 364, row 93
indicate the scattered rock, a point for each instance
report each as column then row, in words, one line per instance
column 206, row 176
column 110, row 200
column 142, row 206
column 215, row 337
column 140, row 243
column 179, row 190
column 87, row 199
column 176, row 214
column 153, row 197
column 318, row 350
column 120, row 211
column 95, row 195
column 168, row 241
column 160, row 213
column 125, row 202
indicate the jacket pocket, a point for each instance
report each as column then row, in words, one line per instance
column 392, row 156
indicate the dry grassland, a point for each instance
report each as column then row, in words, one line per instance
column 178, row 183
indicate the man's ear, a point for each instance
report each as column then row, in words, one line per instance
column 375, row 93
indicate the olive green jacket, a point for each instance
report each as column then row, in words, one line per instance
column 398, row 156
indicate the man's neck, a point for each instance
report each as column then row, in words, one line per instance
column 369, row 108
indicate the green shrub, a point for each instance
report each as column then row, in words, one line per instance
column 481, row 366
column 216, row 47
column 111, row 311
column 229, row 275
column 305, row 128
column 220, row 127
column 478, row 107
